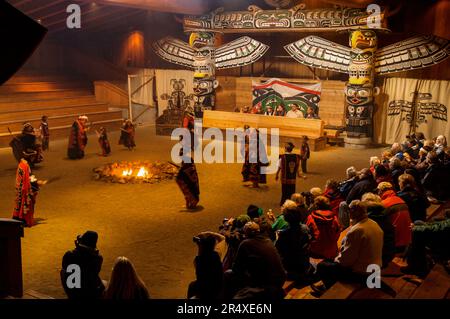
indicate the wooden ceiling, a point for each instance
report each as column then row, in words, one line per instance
column 94, row 16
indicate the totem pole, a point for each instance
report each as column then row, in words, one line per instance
column 362, row 61
column 202, row 56
column 359, row 89
column 204, row 71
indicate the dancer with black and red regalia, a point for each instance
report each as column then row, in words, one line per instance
column 187, row 178
column 103, row 141
column 78, row 138
column 27, row 188
column 127, row 133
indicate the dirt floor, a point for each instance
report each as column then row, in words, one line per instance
column 144, row 222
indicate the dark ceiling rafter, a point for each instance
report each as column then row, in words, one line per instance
column 91, row 19
column 86, row 11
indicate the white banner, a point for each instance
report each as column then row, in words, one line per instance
column 422, row 104
column 174, row 89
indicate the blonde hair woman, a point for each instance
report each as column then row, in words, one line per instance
column 125, row 282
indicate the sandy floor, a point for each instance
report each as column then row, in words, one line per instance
column 147, row 223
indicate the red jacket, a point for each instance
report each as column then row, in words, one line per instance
column 398, row 213
column 335, row 199
column 325, row 228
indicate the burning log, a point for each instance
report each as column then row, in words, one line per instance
column 135, row 172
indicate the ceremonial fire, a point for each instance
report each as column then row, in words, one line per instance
column 135, row 172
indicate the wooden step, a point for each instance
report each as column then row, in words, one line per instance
column 40, row 86
column 60, row 120
column 39, row 104
column 76, row 109
column 45, row 95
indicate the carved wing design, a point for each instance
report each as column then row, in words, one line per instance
column 239, row 52
column 175, row 51
column 438, row 111
column 413, row 53
column 320, row 53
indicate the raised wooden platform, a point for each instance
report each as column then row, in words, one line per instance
column 290, row 129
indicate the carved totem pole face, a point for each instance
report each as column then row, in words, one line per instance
column 204, row 65
column 359, row 90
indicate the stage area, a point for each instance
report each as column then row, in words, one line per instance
column 144, row 222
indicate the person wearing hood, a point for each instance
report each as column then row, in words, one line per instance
column 87, row 257
column 333, row 194
column 398, row 213
column 376, row 212
column 233, row 231
column 325, row 228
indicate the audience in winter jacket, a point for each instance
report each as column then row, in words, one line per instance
column 257, row 264
column 333, row 194
column 416, row 201
column 376, row 212
column 362, row 246
column 293, row 246
column 325, row 229
column 365, row 184
column 398, row 213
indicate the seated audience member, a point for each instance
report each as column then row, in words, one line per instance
column 396, row 148
column 299, row 200
column 361, row 247
column 269, row 111
column 325, row 229
column 398, row 213
column 256, row 214
column 416, row 201
column 440, row 144
column 382, row 174
column 333, row 194
column 208, row 269
column 376, row 212
column 436, row 180
column 365, row 184
column 347, row 185
column 395, row 165
column 279, row 111
column 294, row 112
column 88, row 258
column 256, row 109
column 245, row 109
column 124, row 283
column 374, row 161
column 233, row 231
column 310, row 114
column 432, row 237
column 279, row 222
column 293, row 246
column 257, row 265
column 385, row 157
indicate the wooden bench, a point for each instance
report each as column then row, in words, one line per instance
column 290, row 129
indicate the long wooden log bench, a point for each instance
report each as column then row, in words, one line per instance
column 290, row 129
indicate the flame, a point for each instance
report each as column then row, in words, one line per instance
column 142, row 172
column 127, row 172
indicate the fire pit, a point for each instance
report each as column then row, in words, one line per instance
column 135, row 172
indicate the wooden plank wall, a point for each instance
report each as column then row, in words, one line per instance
column 289, row 127
column 236, row 92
